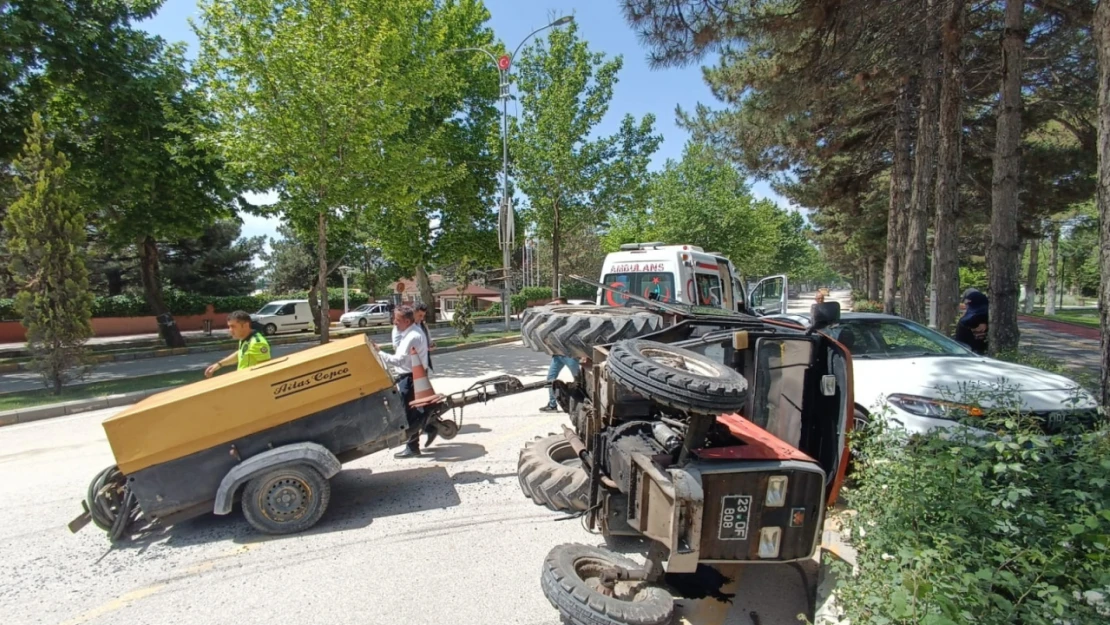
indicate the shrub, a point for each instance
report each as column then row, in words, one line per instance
column 536, row 292
column 967, row 530
column 492, row 311
column 572, row 289
column 867, row 306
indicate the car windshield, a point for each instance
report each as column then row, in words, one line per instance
column 893, row 338
column 363, row 308
column 269, row 309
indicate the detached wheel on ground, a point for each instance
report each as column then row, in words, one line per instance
column 575, row 330
column 677, row 377
column 551, row 474
column 571, row 581
column 286, row 500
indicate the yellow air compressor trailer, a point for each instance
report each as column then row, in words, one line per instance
column 270, row 437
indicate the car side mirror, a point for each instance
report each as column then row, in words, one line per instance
column 824, row 315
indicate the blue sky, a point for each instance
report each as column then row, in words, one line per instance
column 641, row 90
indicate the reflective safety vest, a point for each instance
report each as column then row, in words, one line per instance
column 253, row 350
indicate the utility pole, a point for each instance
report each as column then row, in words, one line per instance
column 505, row 222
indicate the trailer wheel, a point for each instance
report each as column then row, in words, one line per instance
column 286, row 500
column 677, row 377
column 570, row 581
column 575, row 330
column 552, row 475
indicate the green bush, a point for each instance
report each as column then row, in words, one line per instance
column 973, row 278
column 492, row 311
column 536, row 292
column 572, row 289
column 966, row 530
column 518, row 302
column 867, row 306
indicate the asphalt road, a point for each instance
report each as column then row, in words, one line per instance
column 27, row 380
column 443, row 539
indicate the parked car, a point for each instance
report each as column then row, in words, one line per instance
column 287, row 315
column 373, row 314
column 916, row 373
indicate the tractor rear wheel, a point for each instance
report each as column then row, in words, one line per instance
column 552, row 475
column 575, row 330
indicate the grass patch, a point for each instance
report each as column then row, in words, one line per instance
column 39, row 397
column 1083, row 317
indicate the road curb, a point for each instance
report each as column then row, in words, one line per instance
column 50, row 411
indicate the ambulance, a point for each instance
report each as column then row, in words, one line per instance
column 686, row 274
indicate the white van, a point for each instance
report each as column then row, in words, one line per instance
column 686, row 274
column 286, row 315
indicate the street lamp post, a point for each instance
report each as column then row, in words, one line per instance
column 345, row 270
column 505, row 225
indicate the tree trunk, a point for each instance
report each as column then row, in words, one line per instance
column 1053, row 260
column 1003, row 264
column 874, row 284
column 946, row 272
column 913, row 267
column 555, row 282
column 900, row 182
column 314, row 301
column 324, row 320
column 1102, row 45
column 425, row 286
column 151, row 277
column 1031, row 277
column 114, row 278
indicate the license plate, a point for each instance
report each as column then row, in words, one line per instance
column 735, row 513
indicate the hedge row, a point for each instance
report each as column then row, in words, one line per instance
column 183, row 304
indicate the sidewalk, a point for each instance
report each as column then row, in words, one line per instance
column 1076, row 347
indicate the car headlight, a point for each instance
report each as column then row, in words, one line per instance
column 770, row 539
column 776, row 491
column 934, row 408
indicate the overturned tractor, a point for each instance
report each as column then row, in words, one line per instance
column 718, row 436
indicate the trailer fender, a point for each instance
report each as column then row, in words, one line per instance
column 312, row 454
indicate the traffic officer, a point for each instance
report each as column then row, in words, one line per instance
column 253, row 346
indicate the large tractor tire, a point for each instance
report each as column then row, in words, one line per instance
column 551, row 474
column 677, row 377
column 570, row 581
column 575, row 330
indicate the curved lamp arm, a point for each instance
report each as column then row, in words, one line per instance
column 487, row 52
column 559, row 22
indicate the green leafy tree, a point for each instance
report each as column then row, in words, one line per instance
column 142, row 165
column 703, row 200
column 321, row 97
column 46, row 237
column 569, row 176
column 218, row 262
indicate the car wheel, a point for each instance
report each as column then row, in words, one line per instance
column 270, row 329
column 362, row 322
column 286, row 500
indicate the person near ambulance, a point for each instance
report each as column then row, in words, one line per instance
column 253, row 346
column 409, row 337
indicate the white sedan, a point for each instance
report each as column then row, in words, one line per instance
column 373, row 314
column 920, row 378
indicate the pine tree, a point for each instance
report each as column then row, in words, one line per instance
column 46, row 239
